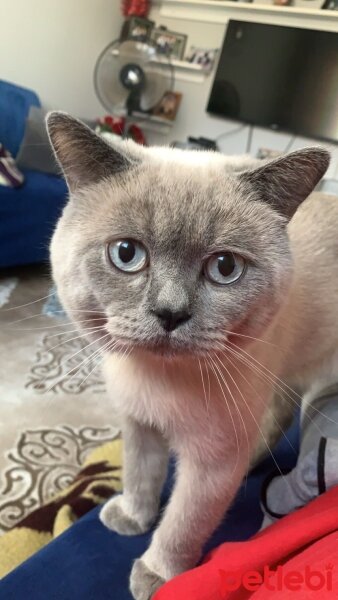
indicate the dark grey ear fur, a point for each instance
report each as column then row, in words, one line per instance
column 84, row 157
column 286, row 181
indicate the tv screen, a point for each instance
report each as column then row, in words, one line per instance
column 280, row 77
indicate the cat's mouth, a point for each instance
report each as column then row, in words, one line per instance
column 177, row 343
column 164, row 346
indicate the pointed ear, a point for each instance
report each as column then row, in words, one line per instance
column 285, row 182
column 84, row 157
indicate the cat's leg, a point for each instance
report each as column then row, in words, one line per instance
column 202, row 493
column 145, row 463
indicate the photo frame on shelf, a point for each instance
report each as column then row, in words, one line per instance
column 168, row 106
column 136, row 28
column 169, row 43
column 205, row 57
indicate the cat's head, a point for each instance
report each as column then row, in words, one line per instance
column 169, row 250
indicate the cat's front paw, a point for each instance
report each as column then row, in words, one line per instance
column 114, row 515
column 143, row 581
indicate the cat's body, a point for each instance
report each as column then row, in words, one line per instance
column 193, row 352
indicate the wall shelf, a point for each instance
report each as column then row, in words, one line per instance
column 220, row 11
column 187, row 71
column 183, row 69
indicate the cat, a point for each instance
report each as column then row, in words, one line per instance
column 206, row 286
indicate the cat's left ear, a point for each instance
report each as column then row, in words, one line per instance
column 285, row 182
column 84, row 157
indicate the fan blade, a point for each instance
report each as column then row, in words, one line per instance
column 111, row 92
column 158, row 81
column 136, row 52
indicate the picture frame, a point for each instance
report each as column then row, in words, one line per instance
column 136, row 28
column 168, row 106
column 205, row 57
column 169, row 43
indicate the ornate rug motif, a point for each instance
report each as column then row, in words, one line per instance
column 51, row 387
column 43, row 463
column 64, row 364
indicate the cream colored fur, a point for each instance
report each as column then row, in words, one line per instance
column 301, row 349
column 210, row 407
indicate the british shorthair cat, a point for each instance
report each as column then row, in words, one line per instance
column 212, row 296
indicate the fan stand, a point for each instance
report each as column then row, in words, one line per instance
column 133, row 79
column 133, row 102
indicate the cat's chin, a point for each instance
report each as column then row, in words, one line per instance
column 162, row 348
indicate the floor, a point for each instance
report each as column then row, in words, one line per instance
column 53, row 405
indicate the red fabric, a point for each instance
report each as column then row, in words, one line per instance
column 302, row 542
column 139, row 8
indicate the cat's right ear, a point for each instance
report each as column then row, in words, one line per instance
column 288, row 180
column 84, row 157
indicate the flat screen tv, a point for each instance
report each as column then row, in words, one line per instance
column 284, row 78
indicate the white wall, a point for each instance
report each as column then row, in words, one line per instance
column 51, row 46
column 192, row 118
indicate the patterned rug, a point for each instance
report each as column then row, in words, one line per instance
column 54, row 409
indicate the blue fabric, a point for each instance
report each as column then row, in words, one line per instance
column 15, row 102
column 88, row 562
column 28, row 216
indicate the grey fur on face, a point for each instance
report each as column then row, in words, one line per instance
column 181, row 214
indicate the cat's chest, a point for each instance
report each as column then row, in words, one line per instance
column 181, row 399
column 154, row 394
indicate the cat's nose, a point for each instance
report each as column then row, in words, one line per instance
column 171, row 319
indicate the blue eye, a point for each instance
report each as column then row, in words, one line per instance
column 127, row 255
column 224, row 268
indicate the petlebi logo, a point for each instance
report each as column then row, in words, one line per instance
column 278, row 579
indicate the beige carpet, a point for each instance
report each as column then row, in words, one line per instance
column 53, row 406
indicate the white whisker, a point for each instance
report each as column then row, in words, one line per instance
column 27, row 303
column 77, row 367
column 263, row 436
column 258, row 395
column 239, row 412
column 274, row 381
column 204, row 390
column 83, row 335
column 68, row 324
column 214, row 368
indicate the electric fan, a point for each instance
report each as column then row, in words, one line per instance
column 131, row 76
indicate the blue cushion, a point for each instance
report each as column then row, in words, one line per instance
column 15, row 102
column 28, row 216
column 88, row 562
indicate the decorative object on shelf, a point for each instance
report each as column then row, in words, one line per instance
column 130, row 79
column 110, row 124
column 137, row 29
column 169, row 43
column 168, row 106
column 110, row 127
column 202, row 56
column 139, row 8
column 281, row 2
